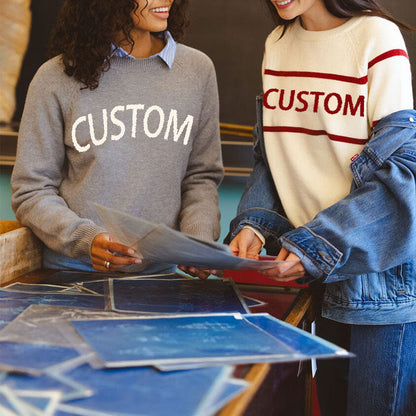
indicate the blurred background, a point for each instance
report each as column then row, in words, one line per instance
column 231, row 32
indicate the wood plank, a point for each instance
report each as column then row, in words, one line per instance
column 255, row 377
column 20, row 253
column 300, row 309
column 6, row 226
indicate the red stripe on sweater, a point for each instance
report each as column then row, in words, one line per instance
column 307, row 74
column 334, row 137
column 386, row 55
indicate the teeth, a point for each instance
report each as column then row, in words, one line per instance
column 283, row 3
column 160, row 9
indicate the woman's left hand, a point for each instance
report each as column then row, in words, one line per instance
column 200, row 273
column 292, row 269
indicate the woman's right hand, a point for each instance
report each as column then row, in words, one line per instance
column 246, row 244
column 108, row 255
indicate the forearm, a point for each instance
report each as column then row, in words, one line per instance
column 58, row 227
column 356, row 235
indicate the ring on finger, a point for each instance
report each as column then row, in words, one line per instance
column 107, row 264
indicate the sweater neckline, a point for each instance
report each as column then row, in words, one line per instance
column 318, row 35
column 154, row 61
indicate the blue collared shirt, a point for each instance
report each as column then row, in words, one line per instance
column 167, row 54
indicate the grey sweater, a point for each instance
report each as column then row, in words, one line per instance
column 146, row 141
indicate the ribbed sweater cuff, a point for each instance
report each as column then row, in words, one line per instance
column 84, row 237
column 202, row 231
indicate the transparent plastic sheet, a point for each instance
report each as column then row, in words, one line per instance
column 40, row 324
column 221, row 392
column 147, row 295
column 42, row 331
column 6, row 412
column 28, row 402
column 35, row 359
column 40, row 403
column 161, row 244
column 160, row 294
column 171, row 341
column 66, row 277
column 40, row 288
column 9, row 299
column 9, row 311
column 251, row 302
column 176, row 296
column 145, row 391
column 68, row 410
column 48, row 325
column 70, row 389
column 37, row 355
column 77, row 342
column 10, row 405
column 34, row 344
column 228, row 391
column 176, row 340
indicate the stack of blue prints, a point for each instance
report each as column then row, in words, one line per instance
column 136, row 346
column 124, row 392
column 176, row 296
column 146, row 391
column 183, row 341
column 43, row 374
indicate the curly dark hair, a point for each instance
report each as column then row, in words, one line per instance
column 85, row 30
column 345, row 8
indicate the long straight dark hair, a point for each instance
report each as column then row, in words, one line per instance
column 86, row 29
column 345, row 8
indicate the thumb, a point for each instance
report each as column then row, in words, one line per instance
column 242, row 250
column 237, row 248
column 283, row 253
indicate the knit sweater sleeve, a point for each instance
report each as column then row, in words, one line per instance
column 199, row 212
column 389, row 70
column 40, row 165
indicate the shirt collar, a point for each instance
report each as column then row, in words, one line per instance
column 167, row 54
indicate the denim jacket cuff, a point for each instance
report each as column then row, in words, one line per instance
column 269, row 223
column 318, row 256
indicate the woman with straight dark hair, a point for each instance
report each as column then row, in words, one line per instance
column 333, row 190
column 122, row 116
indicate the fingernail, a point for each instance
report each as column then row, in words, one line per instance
column 137, row 261
column 130, row 252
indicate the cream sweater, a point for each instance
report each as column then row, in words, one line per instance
column 323, row 92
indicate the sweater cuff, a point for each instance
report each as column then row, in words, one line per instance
column 84, row 237
column 202, row 231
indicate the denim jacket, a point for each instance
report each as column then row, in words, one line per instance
column 362, row 248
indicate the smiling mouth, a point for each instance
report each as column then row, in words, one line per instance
column 283, row 3
column 160, row 10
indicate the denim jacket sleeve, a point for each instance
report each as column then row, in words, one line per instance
column 374, row 227
column 260, row 206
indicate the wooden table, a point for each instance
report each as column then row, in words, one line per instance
column 275, row 389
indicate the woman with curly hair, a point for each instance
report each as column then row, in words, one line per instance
column 122, row 116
